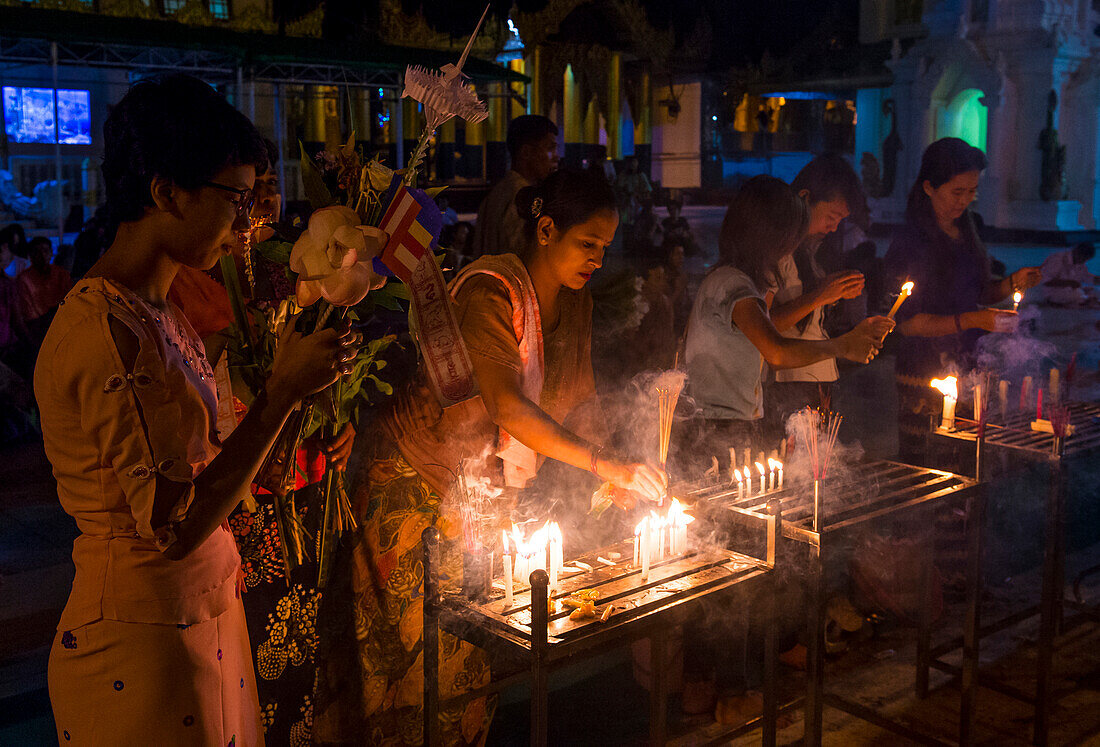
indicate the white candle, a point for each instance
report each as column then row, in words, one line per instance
column 507, row 581
column 637, row 532
column 949, row 388
column 740, row 483
column 781, row 475
column 660, row 540
column 978, row 402
column 645, row 549
column 1055, row 385
column 748, row 458
column 760, row 469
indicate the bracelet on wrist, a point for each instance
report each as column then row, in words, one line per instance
column 593, row 467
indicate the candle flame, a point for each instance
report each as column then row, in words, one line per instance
column 737, row 475
column 748, row 474
column 760, row 468
column 774, row 463
column 948, row 387
column 907, row 288
column 1017, row 297
column 677, row 516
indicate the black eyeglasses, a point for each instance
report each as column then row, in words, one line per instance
column 244, row 204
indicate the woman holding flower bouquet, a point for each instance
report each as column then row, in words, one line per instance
column 526, row 322
column 152, row 645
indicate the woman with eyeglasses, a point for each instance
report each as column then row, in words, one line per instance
column 152, row 645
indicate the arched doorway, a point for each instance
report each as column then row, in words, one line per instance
column 966, row 117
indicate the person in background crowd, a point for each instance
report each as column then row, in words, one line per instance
column 535, row 403
column 450, row 217
column 831, row 190
column 91, row 242
column 655, row 340
column 1067, row 280
column 939, row 250
column 16, row 239
column 41, row 288
column 455, row 241
column 533, row 147
column 676, row 229
column 677, row 280
column 632, row 187
column 152, row 644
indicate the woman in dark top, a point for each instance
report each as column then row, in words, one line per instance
column 939, row 250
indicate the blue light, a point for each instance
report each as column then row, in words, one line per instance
column 714, row 118
column 381, row 93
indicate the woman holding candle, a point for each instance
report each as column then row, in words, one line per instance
column 526, row 322
column 731, row 333
column 152, row 644
column 938, row 249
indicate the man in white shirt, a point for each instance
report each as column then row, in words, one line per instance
column 1066, row 279
column 832, row 192
column 533, row 148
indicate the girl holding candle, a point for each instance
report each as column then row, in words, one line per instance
column 939, row 250
column 526, row 322
column 731, row 333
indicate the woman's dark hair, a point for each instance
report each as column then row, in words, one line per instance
column 942, row 161
column 568, row 196
column 765, row 221
column 175, row 127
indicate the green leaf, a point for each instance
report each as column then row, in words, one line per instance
column 275, row 251
column 316, row 191
column 397, row 290
column 381, row 385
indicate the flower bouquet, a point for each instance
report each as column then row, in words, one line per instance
column 367, row 246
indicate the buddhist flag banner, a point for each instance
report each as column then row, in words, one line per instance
column 414, row 223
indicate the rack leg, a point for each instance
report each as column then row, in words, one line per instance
column 771, row 694
column 540, row 675
column 924, row 621
column 658, row 694
column 975, row 534
column 815, row 654
column 1049, row 603
column 430, row 537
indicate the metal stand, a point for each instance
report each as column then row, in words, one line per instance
column 1019, row 440
column 522, row 633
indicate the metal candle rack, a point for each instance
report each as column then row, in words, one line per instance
column 530, row 639
column 1014, row 436
column 814, row 514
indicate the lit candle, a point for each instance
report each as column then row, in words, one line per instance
column 748, row 481
column 949, row 388
column 740, row 483
column 507, row 572
column 906, row 290
column 645, row 548
column 748, row 458
column 637, row 538
column 1002, row 395
column 1055, row 385
column 776, row 468
column 760, row 469
column 771, row 474
column 660, row 526
column 1016, row 298
column 557, row 552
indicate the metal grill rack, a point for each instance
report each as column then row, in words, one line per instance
column 866, row 495
column 1014, row 436
column 530, row 639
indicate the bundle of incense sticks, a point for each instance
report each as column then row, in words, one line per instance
column 819, row 432
column 669, row 385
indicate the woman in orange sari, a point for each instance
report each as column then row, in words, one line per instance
column 526, row 322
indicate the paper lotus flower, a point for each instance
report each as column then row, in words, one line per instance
column 334, row 258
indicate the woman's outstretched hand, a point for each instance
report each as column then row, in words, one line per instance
column 305, row 364
column 848, row 284
column 862, row 344
column 649, row 482
column 1026, row 277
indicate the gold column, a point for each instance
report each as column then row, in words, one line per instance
column 330, row 103
column 517, row 109
column 475, row 133
column 614, row 108
column 592, row 124
column 498, row 114
column 574, row 112
column 314, row 124
column 360, row 119
column 643, row 119
column 534, row 90
column 411, row 119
